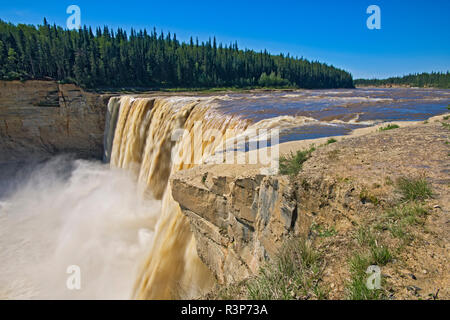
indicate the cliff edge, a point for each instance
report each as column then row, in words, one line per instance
column 348, row 201
column 42, row 118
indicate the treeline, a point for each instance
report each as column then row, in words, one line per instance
column 434, row 79
column 107, row 58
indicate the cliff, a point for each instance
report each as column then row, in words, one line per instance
column 42, row 118
column 241, row 219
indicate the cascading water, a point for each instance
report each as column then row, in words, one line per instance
column 144, row 144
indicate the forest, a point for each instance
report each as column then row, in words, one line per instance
column 114, row 59
column 429, row 80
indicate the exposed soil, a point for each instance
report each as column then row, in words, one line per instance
column 371, row 164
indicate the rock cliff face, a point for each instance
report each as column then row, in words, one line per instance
column 239, row 217
column 41, row 118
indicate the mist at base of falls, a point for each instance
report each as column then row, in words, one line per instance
column 66, row 212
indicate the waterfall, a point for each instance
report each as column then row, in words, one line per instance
column 112, row 112
column 154, row 138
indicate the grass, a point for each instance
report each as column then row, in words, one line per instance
column 232, row 291
column 292, row 164
column 373, row 254
column 399, row 231
column 380, row 255
column 446, row 125
column 357, row 288
column 294, row 274
column 323, row 232
column 399, row 219
column 446, row 117
column 331, row 140
column 389, row 127
column 365, row 237
column 413, row 189
column 408, row 214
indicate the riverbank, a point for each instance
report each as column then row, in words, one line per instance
column 347, row 202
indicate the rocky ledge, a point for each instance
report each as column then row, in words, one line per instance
column 42, row 118
column 240, row 218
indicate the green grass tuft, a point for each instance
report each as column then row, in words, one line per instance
column 323, row 232
column 331, row 140
column 380, row 255
column 408, row 214
column 292, row 164
column 365, row 237
column 357, row 288
column 294, row 274
column 389, row 127
column 413, row 189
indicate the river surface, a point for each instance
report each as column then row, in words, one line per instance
column 337, row 111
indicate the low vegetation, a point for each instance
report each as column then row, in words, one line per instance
column 357, row 287
column 331, row 140
column 412, row 189
column 323, row 232
column 294, row 274
column 389, row 127
column 399, row 220
column 292, row 164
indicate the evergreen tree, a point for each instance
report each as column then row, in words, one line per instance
column 107, row 58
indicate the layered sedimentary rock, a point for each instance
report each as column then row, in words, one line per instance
column 238, row 216
column 42, row 118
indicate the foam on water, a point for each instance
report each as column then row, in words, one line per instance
column 93, row 218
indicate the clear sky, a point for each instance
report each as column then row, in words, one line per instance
column 414, row 34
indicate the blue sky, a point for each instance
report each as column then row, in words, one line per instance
column 414, row 35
